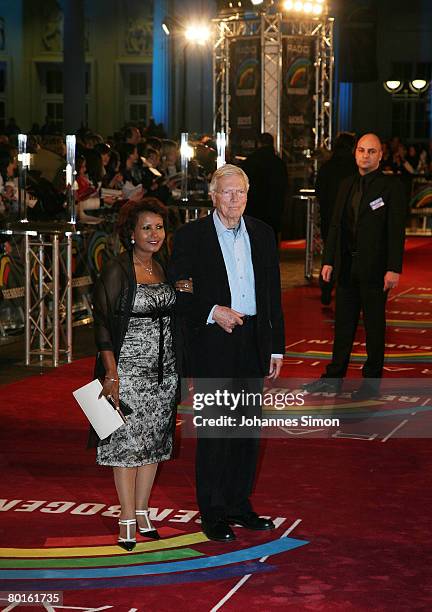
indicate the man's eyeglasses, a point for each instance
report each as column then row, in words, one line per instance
column 227, row 194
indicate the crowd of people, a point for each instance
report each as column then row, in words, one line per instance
column 132, row 164
column 140, row 160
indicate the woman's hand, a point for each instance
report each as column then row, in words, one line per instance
column 184, row 286
column 110, row 389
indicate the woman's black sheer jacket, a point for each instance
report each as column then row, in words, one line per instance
column 113, row 299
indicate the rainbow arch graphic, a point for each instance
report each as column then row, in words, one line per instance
column 95, row 251
column 165, row 561
column 4, row 270
column 247, row 74
column 298, row 72
column 422, row 198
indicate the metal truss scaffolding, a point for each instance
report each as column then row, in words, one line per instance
column 271, row 28
column 48, row 297
column 271, row 75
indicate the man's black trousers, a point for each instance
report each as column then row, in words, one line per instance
column 226, row 458
column 353, row 297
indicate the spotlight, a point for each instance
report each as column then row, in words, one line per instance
column 256, row 2
column 393, row 86
column 165, row 28
column 197, row 33
column 308, row 7
column 418, row 85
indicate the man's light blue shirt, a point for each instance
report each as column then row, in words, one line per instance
column 236, row 251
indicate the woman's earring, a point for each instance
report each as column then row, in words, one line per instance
column 132, row 241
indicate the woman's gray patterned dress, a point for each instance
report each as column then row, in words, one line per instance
column 147, row 435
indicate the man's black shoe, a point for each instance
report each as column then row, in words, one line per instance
column 218, row 530
column 325, row 385
column 251, row 520
column 365, row 392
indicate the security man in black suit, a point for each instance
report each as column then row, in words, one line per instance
column 237, row 334
column 364, row 251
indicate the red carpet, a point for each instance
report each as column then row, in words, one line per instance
column 362, row 543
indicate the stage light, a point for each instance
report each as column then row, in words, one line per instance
column 418, row 85
column 308, row 7
column 197, row 33
column 393, row 86
column 256, row 2
column 165, row 28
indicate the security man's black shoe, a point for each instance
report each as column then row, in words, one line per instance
column 324, row 385
column 365, row 392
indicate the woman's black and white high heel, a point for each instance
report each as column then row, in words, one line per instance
column 148, row 531
column 129, row 542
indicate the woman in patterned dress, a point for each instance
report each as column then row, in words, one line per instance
column 133, row 304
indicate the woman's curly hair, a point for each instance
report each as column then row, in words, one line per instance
column 129, row 213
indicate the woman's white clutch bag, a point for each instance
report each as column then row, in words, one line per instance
column 103, row 417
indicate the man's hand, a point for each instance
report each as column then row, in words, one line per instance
column 275, row 367
column 391, row 280
column 227, row 318
column 326, row 273
column 184, row 285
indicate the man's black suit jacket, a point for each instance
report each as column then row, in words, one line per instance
column 380, row 232
column 197, row 254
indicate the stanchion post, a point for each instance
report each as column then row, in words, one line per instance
column 23, row 163
column 221, row 148
column 70, row 176
column 184, row 158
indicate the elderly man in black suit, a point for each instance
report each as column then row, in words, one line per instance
column 364, row 252
column 237, row 334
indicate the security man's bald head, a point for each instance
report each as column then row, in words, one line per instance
column 368, row 153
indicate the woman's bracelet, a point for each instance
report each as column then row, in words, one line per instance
column 111, row 379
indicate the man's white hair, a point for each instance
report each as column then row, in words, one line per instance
column 228, row 170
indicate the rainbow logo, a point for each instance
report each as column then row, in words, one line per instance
column 95, row 251
column 247, row 75
column 170, row 560
column 297, row 75
column 4, row 270
column 422, row 198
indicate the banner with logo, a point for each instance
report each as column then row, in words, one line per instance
column 245, row 92
column 297, row 116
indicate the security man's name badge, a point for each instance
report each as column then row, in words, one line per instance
column 376, row 203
